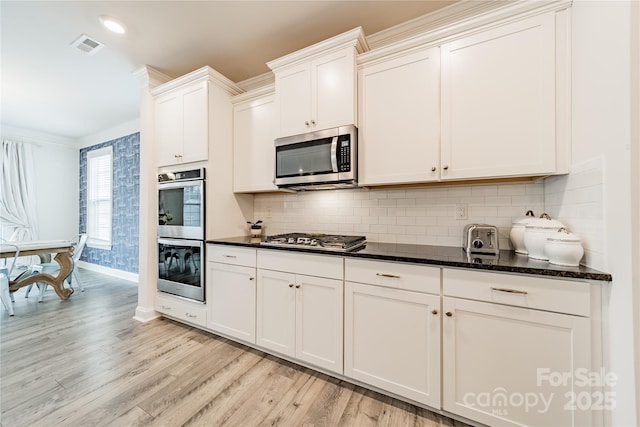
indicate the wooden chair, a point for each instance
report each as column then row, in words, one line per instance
column 54, row 267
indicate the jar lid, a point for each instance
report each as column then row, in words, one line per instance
column 524, row 220
column 563, row 235
column 545, row 223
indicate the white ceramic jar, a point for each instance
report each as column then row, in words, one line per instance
column 516, row 235
column 564, row 248
column 536, row 233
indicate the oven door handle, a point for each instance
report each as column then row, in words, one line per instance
column 334, row 154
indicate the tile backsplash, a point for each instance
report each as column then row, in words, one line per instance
column 420, row 215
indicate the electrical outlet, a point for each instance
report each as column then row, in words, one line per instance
column 461, row 211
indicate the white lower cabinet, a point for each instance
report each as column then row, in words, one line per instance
column 392, row 327
column 392, row 341
column 178, row 308
column 299, row 315
column 232, row 300
column 511, row 365
column 231, row 291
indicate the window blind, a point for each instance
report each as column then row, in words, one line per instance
column 99, row 197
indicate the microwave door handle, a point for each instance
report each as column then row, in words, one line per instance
column 334, row 154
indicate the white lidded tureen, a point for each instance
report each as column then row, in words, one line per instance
column 536, row 233
column 564, row 248
column 516, row 235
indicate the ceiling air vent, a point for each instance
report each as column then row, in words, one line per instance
column 87, row 45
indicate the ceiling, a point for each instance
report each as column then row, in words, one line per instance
column 50, row 87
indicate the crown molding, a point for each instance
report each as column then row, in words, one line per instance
column 149, row 77
column 256, row 82
column 259, row 92
column 205, row 73
column 36, row 137
column 451, row 22
column 353, row 38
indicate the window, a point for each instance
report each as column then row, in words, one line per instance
column 99, row 197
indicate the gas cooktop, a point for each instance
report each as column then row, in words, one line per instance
column 327, row 242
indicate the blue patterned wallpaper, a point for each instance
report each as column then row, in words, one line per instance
column 126, row 203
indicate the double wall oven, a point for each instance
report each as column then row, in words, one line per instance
column 181, row 233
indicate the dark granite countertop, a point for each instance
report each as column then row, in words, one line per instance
column 447, row 256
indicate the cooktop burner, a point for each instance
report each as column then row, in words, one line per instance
column 327, row 242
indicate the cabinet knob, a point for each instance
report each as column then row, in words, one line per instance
column 313, row 122
column 297, row 286
column 306, row 123
column 446, row 167
column 449, row 314
column 434, row 312
column 433, row 168
column 252, row 278
column 291, row 285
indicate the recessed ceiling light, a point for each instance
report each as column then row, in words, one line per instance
column 113, row 24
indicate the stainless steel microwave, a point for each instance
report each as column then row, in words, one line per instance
column 318, row 160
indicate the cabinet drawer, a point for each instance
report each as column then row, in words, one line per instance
column 308, row 264
column 562, row 296
column 191, row 312
column 418, row 278
column 231, row 255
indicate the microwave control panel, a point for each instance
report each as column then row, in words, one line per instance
column 344, row 157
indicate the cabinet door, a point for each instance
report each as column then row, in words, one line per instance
column 333, row 91
column 293, row 92
column 196, row 123
column 319, row 322
column 253, row 149
column 231, row 298
column 399, row 134
column 392, row 341
column 498, row 101
column 502, row 364
column 168, row 128
column 276, row 311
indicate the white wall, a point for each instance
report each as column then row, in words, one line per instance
column 56, row 165
column 602, row 124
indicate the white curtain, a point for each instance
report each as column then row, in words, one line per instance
column 17, row 192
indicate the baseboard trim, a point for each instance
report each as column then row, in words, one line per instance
column 132, row 277
column 144, row 314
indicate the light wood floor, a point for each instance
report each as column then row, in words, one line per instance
column 85, row 362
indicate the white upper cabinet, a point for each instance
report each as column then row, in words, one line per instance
column 181, row 125
column 499, row 101
column 316, row 86
column 491, row 102
column 254, row 130
column 184, row 111
column 399, row 109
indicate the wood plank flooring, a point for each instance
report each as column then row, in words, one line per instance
column 86, row 362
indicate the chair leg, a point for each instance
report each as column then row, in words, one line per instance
column 43, row 287
column 26, row 295
column 5, row 295
column 75, row 275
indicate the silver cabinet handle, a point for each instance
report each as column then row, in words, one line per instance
column 165, row 307
column 387, row 275
column 511, row 291
column 229, row 256
column 191, row 315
